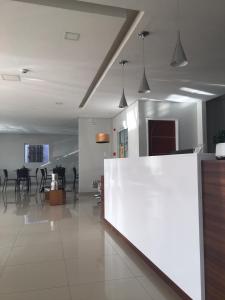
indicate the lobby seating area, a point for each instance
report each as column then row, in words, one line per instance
column 24, row 177
column 20, row 180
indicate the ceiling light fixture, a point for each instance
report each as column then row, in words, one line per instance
column 123, row 101
column 33, row 79
column 182, row 98
column 179, row 58
column 72, row 36
column 59, row 103
column 25, row 71
column 194, row 91
column 144, row 86
column 149, row 99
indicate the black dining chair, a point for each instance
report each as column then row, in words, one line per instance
column 62, row 177
column 74, row 178
column 45, row 180
column 23, row 179
column 7, row 179
column 35, row 176
column 42, row 183
column 46, row 174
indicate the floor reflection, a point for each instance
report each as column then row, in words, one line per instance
column 66, row 252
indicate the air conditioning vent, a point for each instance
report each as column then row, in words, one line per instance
column 10, row 77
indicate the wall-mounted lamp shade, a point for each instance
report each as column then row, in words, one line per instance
column 144, row 86
column 179, row 57
column 123, row 101
column 102, row 138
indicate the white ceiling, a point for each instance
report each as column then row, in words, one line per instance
column 32, row 36
column 61, row 71
column 202, row 30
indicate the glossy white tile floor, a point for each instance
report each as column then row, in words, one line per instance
column 67, row 253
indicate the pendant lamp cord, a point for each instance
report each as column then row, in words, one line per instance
column 122, row 76
column 123, row 63
column 178, row 15
column 143, row 51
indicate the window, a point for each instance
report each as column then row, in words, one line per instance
column 36, row 153
column 123, row 143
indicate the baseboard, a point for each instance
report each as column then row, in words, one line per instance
column 86, row 193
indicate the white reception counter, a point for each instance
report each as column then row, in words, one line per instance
column 155, row 202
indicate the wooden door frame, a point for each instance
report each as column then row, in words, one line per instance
column 162, row 119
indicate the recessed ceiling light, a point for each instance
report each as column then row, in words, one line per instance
column 10, row 77
column 33, row 79
column 181, row 98
column 194, row 91
column 59, row 103
column 72, row 36
column 150, row 99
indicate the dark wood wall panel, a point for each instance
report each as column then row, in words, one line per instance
column 213, row 184
column 161, row 137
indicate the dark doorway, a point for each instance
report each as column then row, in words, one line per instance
column 161, row 137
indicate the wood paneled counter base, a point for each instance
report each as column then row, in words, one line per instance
column 213, row 182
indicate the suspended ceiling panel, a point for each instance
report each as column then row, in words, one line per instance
column 46, row 99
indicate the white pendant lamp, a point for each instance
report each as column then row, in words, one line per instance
column 123, row 101
column 179, row 58
column 144, row 86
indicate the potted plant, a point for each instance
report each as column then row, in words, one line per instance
column 219, row 140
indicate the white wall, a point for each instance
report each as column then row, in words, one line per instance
column 128, row 118
column 12, row 151
column 184, row 113
column 202, row 125
column 189, row 117
column 91, row 154
column 157, row 207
